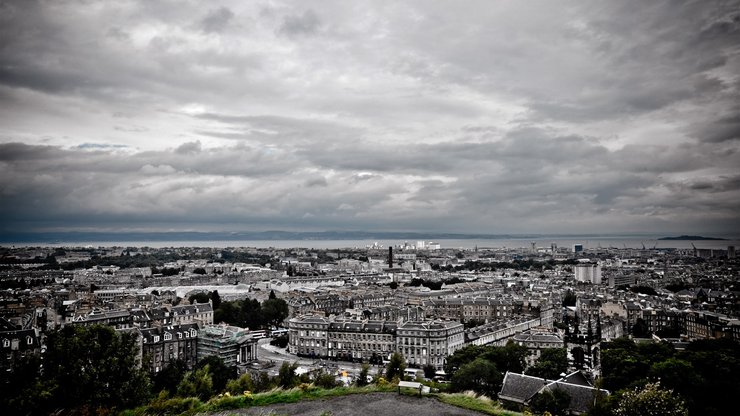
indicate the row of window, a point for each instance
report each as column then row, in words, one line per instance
column 6, row 342
column 168, row 336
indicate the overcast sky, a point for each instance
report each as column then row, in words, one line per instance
column 451, row 116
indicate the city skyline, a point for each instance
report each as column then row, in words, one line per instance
column 474, row 117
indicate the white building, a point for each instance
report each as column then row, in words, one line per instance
column 588, row 273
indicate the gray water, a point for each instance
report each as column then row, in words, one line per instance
column 587, row 242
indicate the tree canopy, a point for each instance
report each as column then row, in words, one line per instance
column 649, row 401
column 396, row 366
column 480, row 376
column 706, row 375
column 551, row 363
column 89, row 368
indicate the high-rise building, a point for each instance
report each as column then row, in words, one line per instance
column 588, row 273
column 577, row 248
column 730, row 252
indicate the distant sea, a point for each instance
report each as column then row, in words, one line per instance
column 463, row 243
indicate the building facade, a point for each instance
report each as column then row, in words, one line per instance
column 420, row 342
column 429, row 342
column 234, row 345
column 161, row 346
column 588, row 273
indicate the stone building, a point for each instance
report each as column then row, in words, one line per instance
column 429, row 342
column 200, row 313
column 479, row 309
column 17, row 343
column 308, row 336
column 234, row 345
column 537, row 340
column 368, row 341
column 420, row 342
column 162, row 345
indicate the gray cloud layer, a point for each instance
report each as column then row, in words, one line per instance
column 608, row 116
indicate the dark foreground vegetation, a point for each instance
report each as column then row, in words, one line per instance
column 93, row 370
column 644, row 379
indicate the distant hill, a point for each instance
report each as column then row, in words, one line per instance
column 52, row 237
column 691, row 237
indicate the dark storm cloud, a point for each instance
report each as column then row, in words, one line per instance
column 719, row 129
column 216, row 20
column 305, row 23
column 478, row 116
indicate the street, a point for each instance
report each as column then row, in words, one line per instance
column 267, row 352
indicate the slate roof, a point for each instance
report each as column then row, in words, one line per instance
column 578, row 378
column 25, row 340
column 581, row 397
column 520, row 388
column 149, row 333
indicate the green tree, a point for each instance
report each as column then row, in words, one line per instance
column 215, row 299
column 94, row 367
column 170, row 377
column 197, row 383
column 287, row 377
column 511, row 357
column 569, row 299
column 240, row 385
column 362, row 378
column 678, row 375
column 555, row 402
column 198, row 298
column 429, row 371
column 461, row 357
column 396, row 366
column 263, row 382
column 324, row 380
column 480, row 376
column 274, row 311
column 650, row 401
column 717, row 363
column 622, row 364
column 250, row 314
column 23, row 391
column 227, row 312
column 220, row 373
column 552, row 362
column 272, row 295
column 640, row 329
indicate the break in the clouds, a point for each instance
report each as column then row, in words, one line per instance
column 474, row 116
